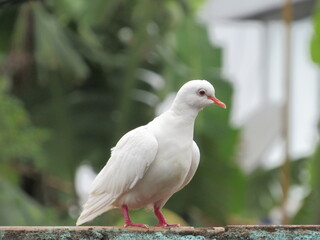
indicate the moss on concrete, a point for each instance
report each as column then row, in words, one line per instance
column 182, row 233
column 274, row 232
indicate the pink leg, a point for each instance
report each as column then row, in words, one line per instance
column 162, row 221
column 127, row 220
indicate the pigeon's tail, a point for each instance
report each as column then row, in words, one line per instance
column 95, row 206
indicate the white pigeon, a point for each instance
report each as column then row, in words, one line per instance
column 152, row 162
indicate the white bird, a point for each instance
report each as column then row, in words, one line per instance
column 152, row 162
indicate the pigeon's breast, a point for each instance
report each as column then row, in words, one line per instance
column 174, row 154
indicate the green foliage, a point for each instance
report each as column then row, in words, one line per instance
column 315, row 41
column 310, row 212
column 19, row 140
column 73, row 73
column 86, row 58
column 54, row 51
column 22, row 210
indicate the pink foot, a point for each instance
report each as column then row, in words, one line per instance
column 127, row 220
column 162, row 220
column 131, row 224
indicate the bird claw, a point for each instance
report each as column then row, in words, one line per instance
column 166, row 225
column 131, row 224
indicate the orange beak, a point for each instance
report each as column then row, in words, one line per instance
column 217, row 102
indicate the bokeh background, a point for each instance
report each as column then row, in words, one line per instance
column 75, row 75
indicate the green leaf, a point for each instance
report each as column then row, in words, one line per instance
column 20, row 209
column 19, row 139
column 54, row 52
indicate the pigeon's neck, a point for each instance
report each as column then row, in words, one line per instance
column 178, row 122
column 184, row 111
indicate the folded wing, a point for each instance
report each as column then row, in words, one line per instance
column 129, row 161
column 194, row 165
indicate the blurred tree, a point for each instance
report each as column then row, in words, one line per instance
column 20, row 143
column 315, row 40
column 310, row 212
column 89, row 71
column 80, row 69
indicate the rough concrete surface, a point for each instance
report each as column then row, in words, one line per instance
column 271, row 232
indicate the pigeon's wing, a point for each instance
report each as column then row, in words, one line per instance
column 129, row 161
column 194, row 165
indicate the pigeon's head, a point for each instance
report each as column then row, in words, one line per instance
column 197, row 94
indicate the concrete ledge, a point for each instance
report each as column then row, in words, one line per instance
column 272, row 232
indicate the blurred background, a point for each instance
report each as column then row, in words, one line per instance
column 75, row 75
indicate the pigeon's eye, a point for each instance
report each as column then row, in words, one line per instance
column 201, row 92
